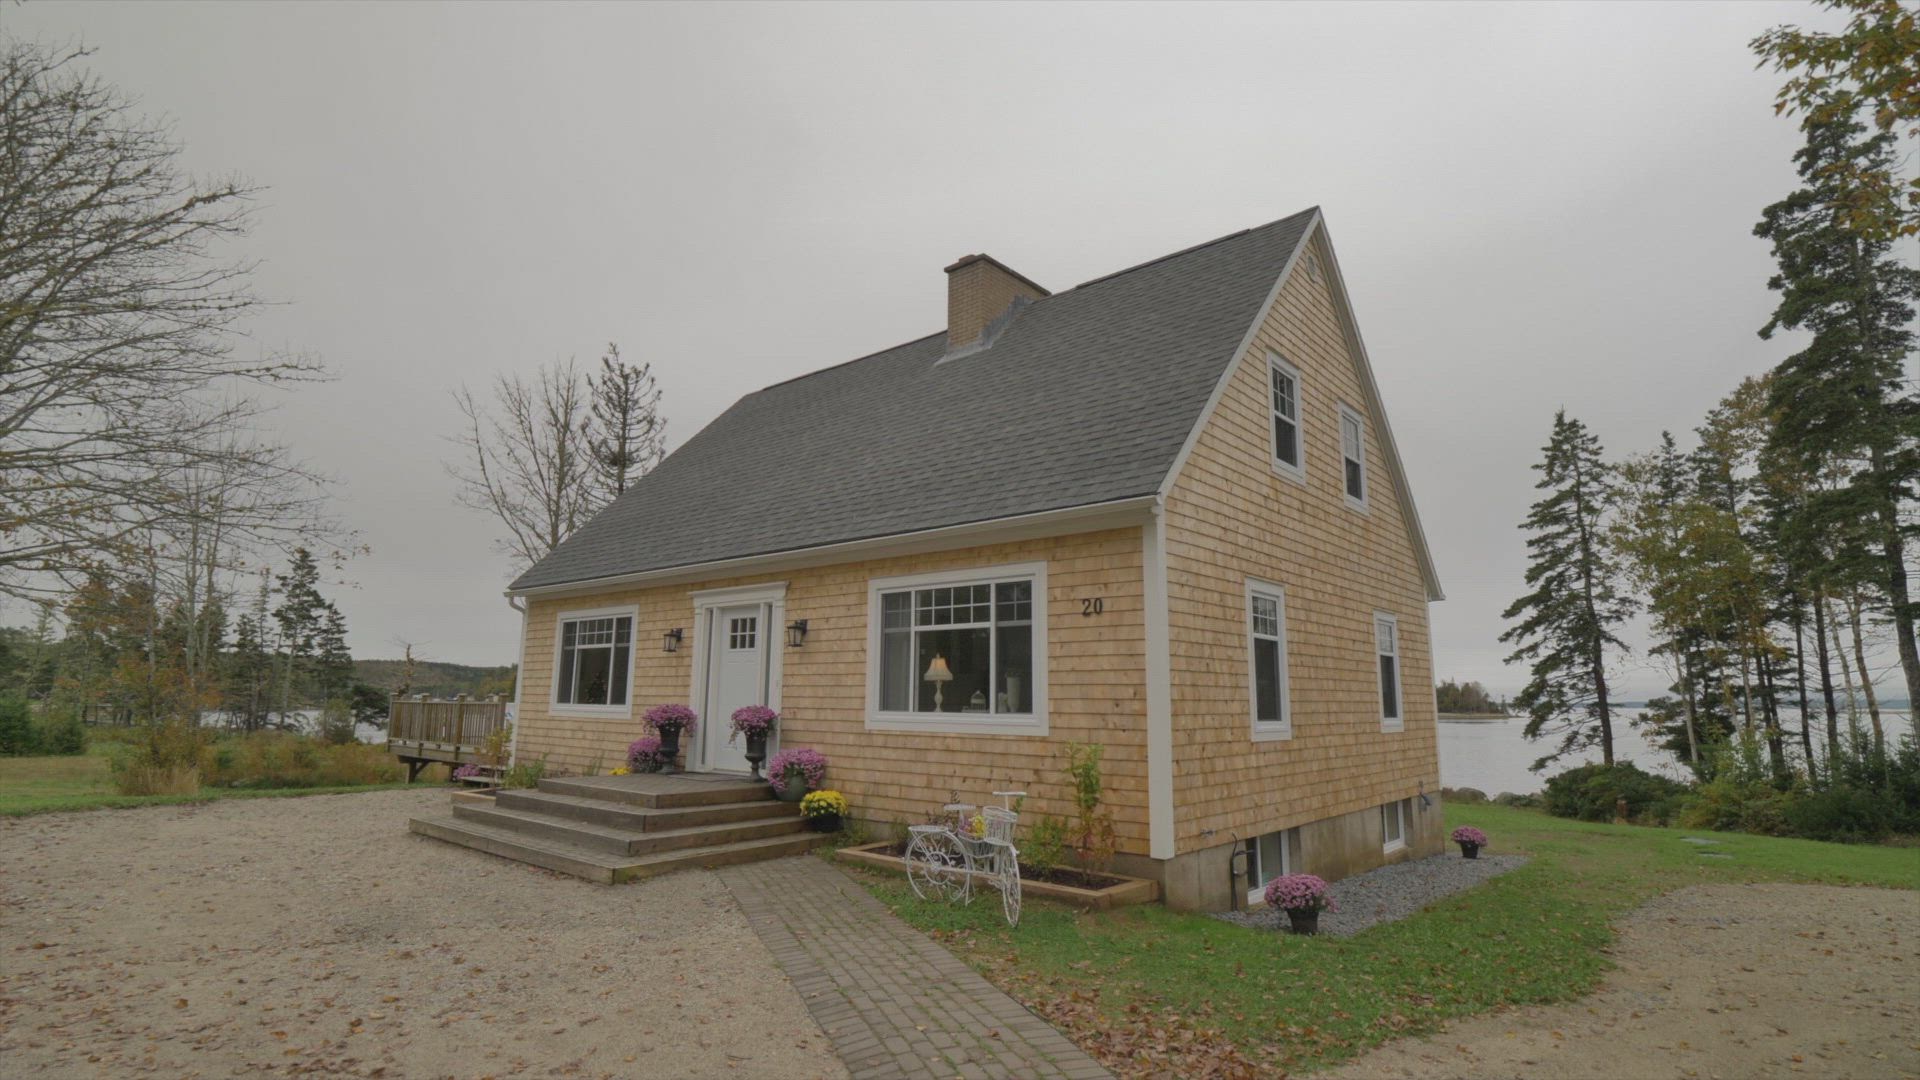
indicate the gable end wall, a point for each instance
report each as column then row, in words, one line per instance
column 1231, row 516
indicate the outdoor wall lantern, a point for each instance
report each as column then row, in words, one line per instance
column 796, row 633
column 670, row 642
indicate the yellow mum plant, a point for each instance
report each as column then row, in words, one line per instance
column 823, row 804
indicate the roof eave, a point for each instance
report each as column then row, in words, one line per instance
column 1088, row 517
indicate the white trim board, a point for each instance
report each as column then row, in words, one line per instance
column 1065, row 521
column 1161, row 842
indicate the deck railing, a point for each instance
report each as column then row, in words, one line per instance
column 451, row 724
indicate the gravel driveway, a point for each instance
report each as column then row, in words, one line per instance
column 316, row 936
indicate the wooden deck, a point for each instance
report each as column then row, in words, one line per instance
column 422, row 730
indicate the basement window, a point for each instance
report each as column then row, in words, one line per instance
column 1393, row 824
column 593, row 665
column 1268, row 857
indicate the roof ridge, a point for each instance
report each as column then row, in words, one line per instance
column 1191, row 250
column 1052, row 296
column 855, row 360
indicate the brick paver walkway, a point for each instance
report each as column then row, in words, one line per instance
column 894, row 1003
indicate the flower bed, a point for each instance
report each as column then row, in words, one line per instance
column 1084, row 888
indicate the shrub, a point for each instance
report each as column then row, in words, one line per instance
column 1093, row 838
column 527, row 774
column 17, row 736
column 1590, row 793
column 1847, row 814
column 140, row 779
column 279, row 759
column 1463, row 795
column 1046, row 844
column 335, row 724
column 1741, row 795
column 61, row 732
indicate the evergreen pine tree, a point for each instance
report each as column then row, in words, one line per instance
column 628, row 434
column 1846, row 402
column 1566, row 622
column 299, row 617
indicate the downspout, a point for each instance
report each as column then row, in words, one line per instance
column 519, row 680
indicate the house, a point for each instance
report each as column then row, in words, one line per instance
column 1161, row 511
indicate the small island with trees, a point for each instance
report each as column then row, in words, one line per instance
column 1468, row 702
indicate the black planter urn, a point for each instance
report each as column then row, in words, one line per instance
column 1306, row 923
column 669, row 749
column 824, row 823
column 756, row 753
column 1469, row 851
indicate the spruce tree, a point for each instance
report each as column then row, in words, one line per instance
column 1566, row 622
column 628, row 434
column 1846, row 404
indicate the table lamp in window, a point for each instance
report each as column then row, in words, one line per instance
column 939, row 675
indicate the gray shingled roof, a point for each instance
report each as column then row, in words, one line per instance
column 1086, row 398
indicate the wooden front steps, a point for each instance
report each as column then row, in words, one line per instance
column 619, row 828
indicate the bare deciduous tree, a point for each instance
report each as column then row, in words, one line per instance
column 119, row 341
column 528, row 458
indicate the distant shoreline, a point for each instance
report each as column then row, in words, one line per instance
column 1473, row 718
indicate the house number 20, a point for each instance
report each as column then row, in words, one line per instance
column 1093, row 607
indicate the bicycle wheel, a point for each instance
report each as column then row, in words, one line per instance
column 936, row 868
column 1007, row 863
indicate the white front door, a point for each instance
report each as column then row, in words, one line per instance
column 736, row 677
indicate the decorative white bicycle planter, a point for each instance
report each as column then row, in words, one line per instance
column 944, row 859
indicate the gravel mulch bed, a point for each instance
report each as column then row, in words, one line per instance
column 1389, row 893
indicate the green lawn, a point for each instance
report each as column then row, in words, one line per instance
column 1170, row 992
column 41, row 785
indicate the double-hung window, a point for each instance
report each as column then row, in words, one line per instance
column 960, row 651
column 1386, row 643
column 1289, row 454
column 1267, row 660
column 1393, row 825
column 1353, row 455
column 595, row 660
column 1268, row 857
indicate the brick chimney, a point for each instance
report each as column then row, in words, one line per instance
column 980, row 289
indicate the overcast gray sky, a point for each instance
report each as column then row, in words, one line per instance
column 1535, row 206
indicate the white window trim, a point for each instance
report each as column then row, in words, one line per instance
column 1257, row 894
column 948, row 723
column 1398, row 808
column 772, row 598
column 1347, row 412
column 1297, row 473
column 1267, row 730
column 1398, row 721
column 560, row 620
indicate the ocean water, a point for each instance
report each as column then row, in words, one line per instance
column 1493, row 755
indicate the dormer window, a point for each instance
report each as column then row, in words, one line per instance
column 1353, row 452
column 1288, row 450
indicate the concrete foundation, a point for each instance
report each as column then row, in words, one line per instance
column 1333, row 848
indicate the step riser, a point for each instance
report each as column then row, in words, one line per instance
column 616, row 815
column 718, row 793
column 639, row 844
column 532, row 852
column 799, row 845
column 532, row 856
